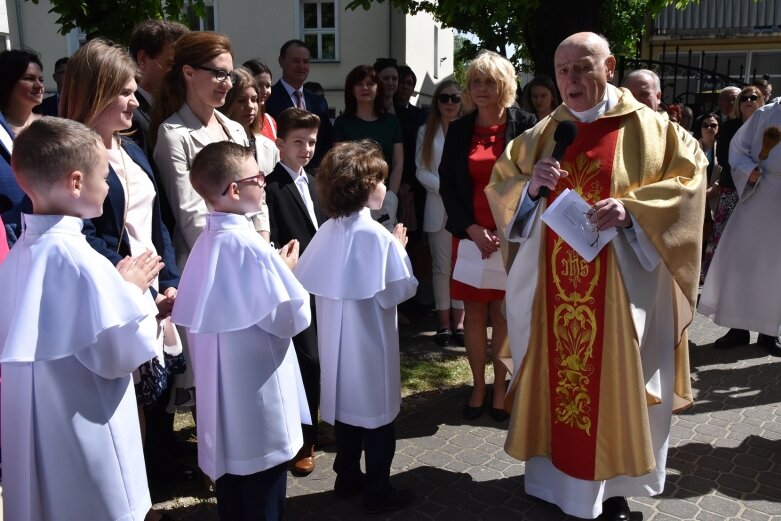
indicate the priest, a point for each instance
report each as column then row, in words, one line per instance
column 599, row 349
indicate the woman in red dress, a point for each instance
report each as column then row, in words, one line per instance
column 472, row 145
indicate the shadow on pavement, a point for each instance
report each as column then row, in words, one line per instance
column 750, row 472
column 736, row 388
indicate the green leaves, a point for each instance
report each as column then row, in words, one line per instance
column 115, row 19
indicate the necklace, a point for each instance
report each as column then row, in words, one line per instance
column 125, row 190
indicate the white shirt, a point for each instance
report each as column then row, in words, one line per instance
column 302, row 184
column 290, row 90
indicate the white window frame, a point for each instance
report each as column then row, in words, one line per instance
column 202, row 26
column 320, row 31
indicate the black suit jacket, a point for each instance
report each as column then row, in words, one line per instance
column 49, row 106
column 103, row 232
column 140, row 129
column 279, row 100
column 287, row 212
column 455, row 185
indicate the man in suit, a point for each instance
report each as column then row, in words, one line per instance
column 295, row 214
column 152, row 47
column 289, row 92
column 50, row 106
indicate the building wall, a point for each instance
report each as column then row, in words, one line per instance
column 258, row 29
column 38, row 32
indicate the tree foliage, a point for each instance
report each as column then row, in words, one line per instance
column 532, row 29
column 115, row 19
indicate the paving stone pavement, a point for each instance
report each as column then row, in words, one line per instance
column 724, row 461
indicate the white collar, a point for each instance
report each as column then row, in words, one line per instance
column 290, row 89
column 297, row 177
column 597, row 111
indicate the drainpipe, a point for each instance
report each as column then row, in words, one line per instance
column 19, row 23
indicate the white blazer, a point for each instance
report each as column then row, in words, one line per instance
column 179, row 139
column 267, row 153
column 434, row 216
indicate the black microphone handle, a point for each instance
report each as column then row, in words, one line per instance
column 558, row 155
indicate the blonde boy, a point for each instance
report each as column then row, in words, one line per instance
column 71, row 332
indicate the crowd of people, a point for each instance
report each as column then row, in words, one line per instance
column 219, row 233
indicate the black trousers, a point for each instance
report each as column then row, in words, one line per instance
column 256, row 497
column 305, row 344
column 379, row 446
column 160, row 448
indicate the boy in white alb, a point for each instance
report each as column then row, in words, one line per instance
column 241, row 304
column 71, row 332
column 359, row 272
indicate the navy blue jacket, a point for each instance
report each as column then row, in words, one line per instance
column 13, row 200
column 103, row 232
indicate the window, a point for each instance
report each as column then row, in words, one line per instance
column 208, row 22
column 318, row 29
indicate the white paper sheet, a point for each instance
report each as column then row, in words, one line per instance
column 472, row 269
column 568, row 216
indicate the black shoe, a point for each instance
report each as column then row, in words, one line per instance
column 473, row 413
column 499, row 415
column 733, row 338
column 395, row 500
column 442, row 337
column 460, row 338
column 615, row 509
column 345, row 489
column 773, row 344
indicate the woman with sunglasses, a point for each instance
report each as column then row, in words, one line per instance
column 99, row 91
column 749, row 100
column 242, row 104
column 472, row 145
column 431, row 138
column 186, row 120
column 744, row 281
column 705, row 133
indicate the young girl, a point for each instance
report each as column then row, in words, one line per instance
column 262, row 75
column 359, row 272
column 242, row 104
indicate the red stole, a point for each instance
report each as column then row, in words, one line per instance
column 576, row 308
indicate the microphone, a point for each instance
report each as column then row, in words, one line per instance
column 564, row 135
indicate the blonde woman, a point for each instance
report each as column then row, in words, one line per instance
column 472, row 145
column 242, row 104
column 445, row 108
column 99, row 91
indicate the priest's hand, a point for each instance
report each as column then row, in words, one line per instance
column 289, row 254
column 165, row 302
column 609, row 213
column 485, row 240
column 141, row 270
column 400, row 232
column 546, row 172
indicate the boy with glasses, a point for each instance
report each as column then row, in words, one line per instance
column 241, row 306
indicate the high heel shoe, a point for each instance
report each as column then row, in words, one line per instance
column 498, row 414
column 473, row 413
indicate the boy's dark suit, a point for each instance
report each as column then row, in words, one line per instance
column 289, row 220
column 279, row 100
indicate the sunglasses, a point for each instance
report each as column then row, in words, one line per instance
column 219, row 74
column 259, row 179
column 752, row 97
column 710, row 125
column 449, row 98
